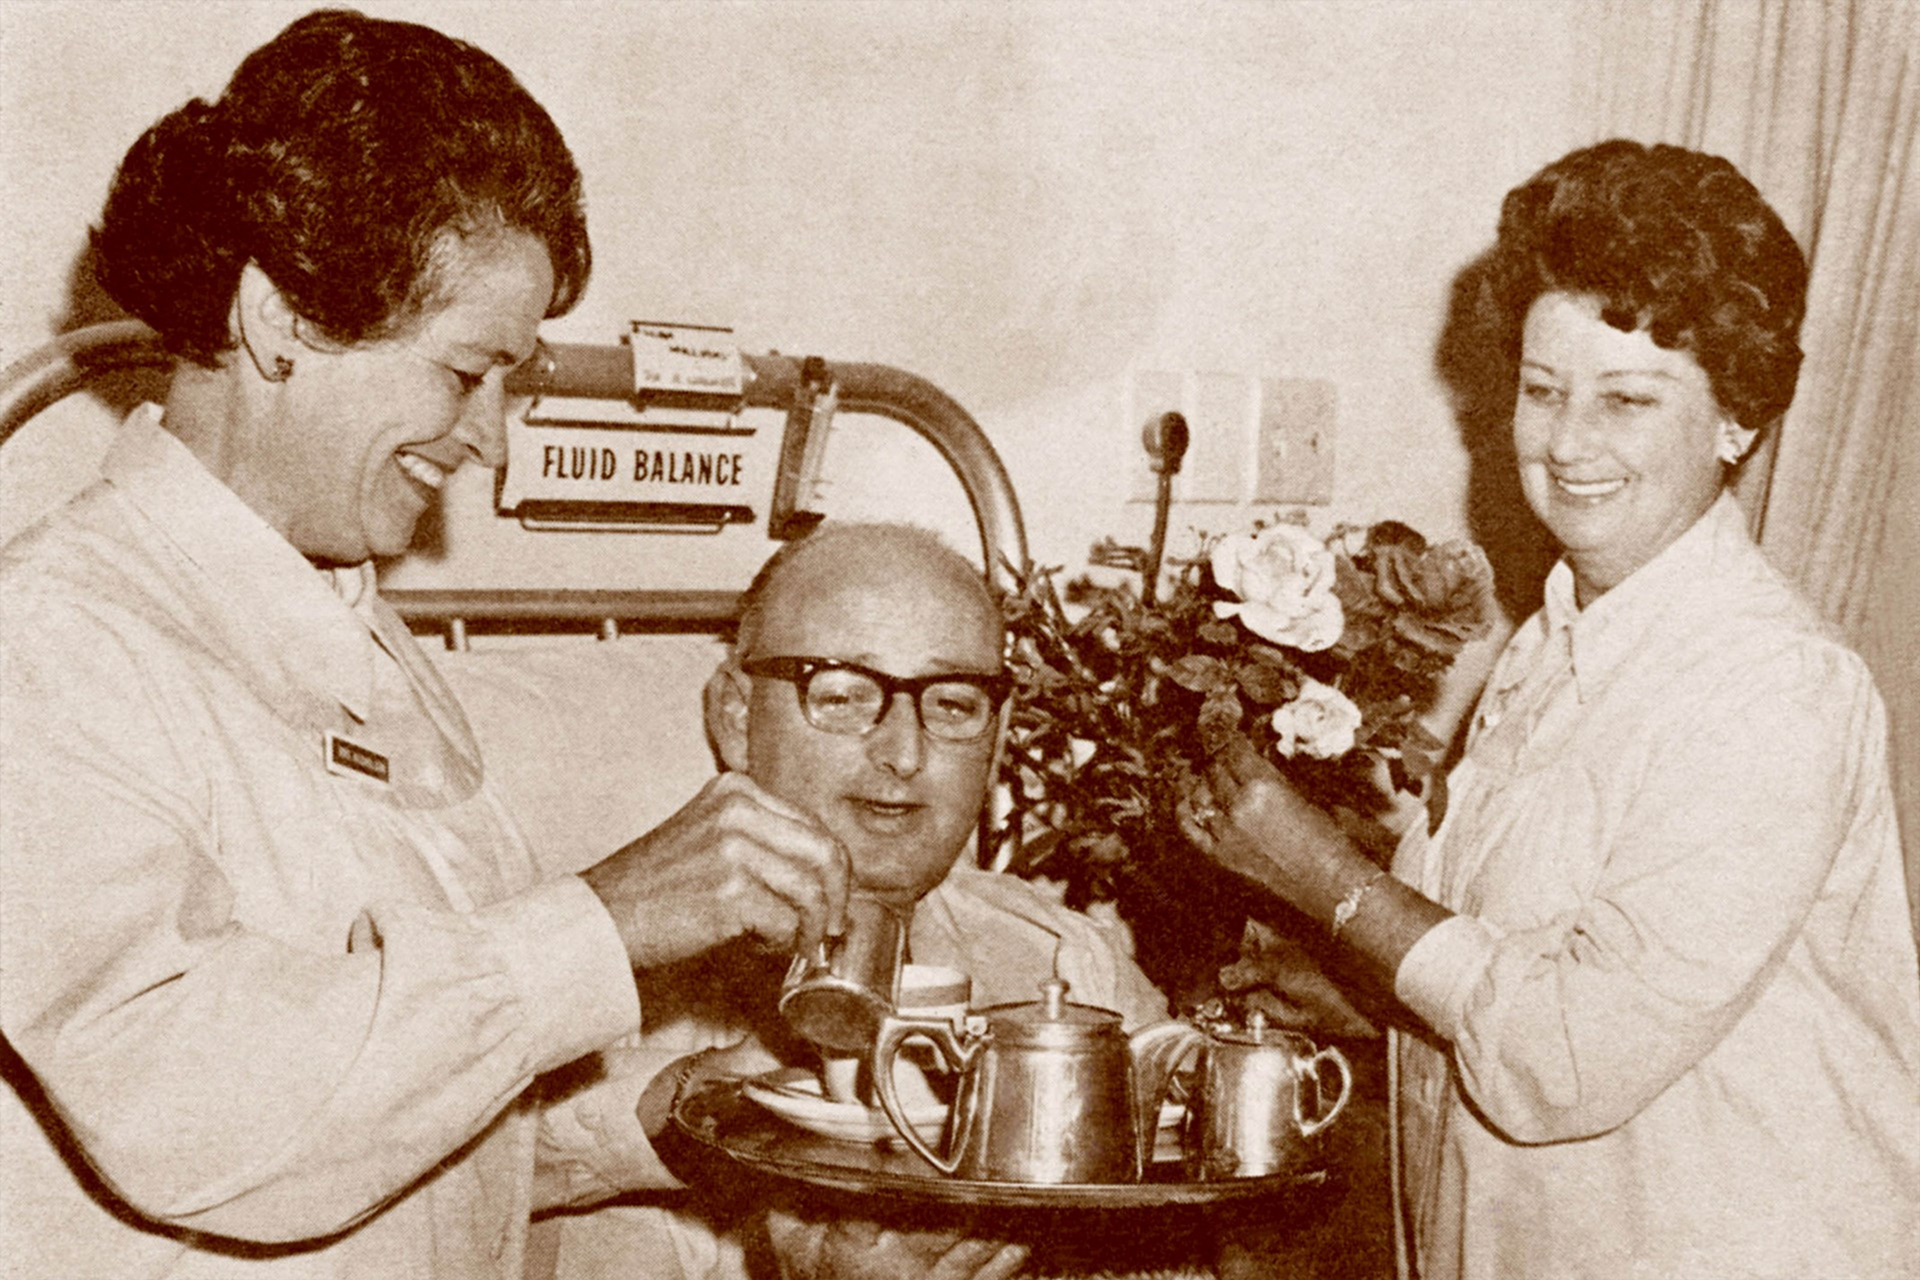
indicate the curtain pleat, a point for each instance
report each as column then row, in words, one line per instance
column 1818, row 103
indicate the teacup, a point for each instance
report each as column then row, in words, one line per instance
column 923, row 991
column 933, row 991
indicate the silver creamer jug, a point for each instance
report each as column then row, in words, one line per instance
column 1263, row 1093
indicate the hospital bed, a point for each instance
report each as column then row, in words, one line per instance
column 560, row 712
column 602, row 373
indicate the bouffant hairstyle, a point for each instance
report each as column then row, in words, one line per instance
column 1672, row 241
column 339, row 158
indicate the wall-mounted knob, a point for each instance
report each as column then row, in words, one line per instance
column 1165, row 438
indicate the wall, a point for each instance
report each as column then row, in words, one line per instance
column 1022, row 203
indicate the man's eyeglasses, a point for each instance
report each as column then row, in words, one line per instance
column 845, row 697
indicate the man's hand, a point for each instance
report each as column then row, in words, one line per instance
column 856, row 1249
column 735, row 860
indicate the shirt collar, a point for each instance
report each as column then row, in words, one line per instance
column 1612, row 628
column 316, row 636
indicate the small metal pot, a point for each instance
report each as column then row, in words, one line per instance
column 1050, row 1092
column 837, row 997
column 1262, row 1096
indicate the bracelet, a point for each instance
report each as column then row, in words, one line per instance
column 1349, row 906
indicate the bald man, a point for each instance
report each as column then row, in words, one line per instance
column 865, row 687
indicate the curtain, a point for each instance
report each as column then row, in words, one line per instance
column 1819, row 104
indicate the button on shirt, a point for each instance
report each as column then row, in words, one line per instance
column 1681, row 998
column 283, row 1012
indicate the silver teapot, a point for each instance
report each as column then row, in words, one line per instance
column 1049, row 1092
column 1055, row 1092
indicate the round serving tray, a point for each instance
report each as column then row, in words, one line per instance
column 719, row 1118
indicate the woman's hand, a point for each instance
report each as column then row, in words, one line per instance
column 1262, row 828
column 735, row 860
column 1247, row 817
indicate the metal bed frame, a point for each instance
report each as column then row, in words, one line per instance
column 68, row 363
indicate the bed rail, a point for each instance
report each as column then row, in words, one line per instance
column 65, row 365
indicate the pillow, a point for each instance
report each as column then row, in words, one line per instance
column 592, row 743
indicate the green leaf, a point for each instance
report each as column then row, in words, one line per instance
column 1219, row 718
column 1273, row 656
column 1419, row 736
column 1265, row 683
column 1200, row 673
column 1221, row 632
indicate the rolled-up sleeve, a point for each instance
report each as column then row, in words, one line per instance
column 1441, row 969
column 591, row 1145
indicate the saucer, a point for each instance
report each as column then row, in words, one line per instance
column 793, row 1094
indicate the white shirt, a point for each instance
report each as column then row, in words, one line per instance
column 1681, row 996
column 284, row 1013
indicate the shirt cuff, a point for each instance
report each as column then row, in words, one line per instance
column 1440, row 970
column 567, row 961
column 591, row 1143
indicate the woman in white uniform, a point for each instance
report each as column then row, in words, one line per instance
column 1658, row 951
column 278, row 964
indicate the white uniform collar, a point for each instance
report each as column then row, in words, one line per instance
column 1681, row 575
column 322, row 643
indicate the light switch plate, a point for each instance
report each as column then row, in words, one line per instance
column 1297, row 421
column 1220, row 414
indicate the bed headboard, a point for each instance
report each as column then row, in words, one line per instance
column 602, row 373
column 647, row 751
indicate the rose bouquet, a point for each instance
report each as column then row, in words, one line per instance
column 1320, row 653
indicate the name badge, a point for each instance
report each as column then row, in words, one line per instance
column 345, row 756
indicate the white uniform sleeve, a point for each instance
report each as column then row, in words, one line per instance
column 218, row 1077
column 1571, row 1027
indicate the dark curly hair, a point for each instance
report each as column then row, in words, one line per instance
column 341, row 154
column 1672, row 241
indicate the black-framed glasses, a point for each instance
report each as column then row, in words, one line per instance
column 845, row 697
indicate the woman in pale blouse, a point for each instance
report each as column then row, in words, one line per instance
column 280, row 961
column 1663, row 995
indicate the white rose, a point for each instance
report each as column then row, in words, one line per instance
column 1322, row 722
column 1284, row 577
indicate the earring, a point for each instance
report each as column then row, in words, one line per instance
column 282, row 369
column 1729, row 450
